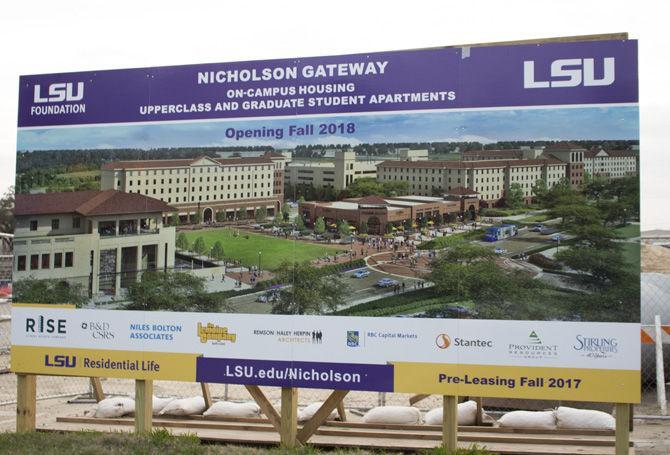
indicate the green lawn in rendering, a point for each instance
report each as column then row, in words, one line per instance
column 274, row 250
column 628, row 231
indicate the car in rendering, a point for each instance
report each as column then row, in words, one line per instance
column 268, row 297
column 386, row 283
column 538, row 228
column 362, row 273
column 557, row 237
column 499, row 250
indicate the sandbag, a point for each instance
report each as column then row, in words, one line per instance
column 230, row 409
column 308, row 412
column 184, row 407
column 584, row 419
column 158, row 404
column 393, row 414
column 545, row 420
column 114, row 407
column 467, row 414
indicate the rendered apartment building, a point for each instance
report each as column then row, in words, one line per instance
column 489, row 179
column 612, row 164
column 338, row 172
column 203, row 185
column 101, row 240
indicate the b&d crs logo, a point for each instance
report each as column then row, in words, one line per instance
column 443, row 341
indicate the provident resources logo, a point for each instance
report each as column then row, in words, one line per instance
column 533, row 348
column 215, row 333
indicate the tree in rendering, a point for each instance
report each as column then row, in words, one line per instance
column 197, row 217
column 319, row 226
column 217, row 251
column 299, row 223
column 343, row 228
column 7, row 211
column 242, row 213
column 174, row 219
column 220, row 216
column 199, row 246
column 261, row 214
column 285, row 212
column 308, row 290
column 514, row 197
column 55, row 291
column 173, row 291
column 182, row 242
column 364, row 227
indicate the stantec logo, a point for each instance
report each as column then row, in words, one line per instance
column 61, row 361
column 59, row 92
column 570, row 72
column 443, row 341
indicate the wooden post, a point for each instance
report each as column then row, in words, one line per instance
column 450, row 422
column 479, row 419
column 341, row 411
column 313, row 424
column 96, row 388
column 265, row 405
column 143, row 405
column 26, row 396
column 289, row 417
column 206, row 394
column 622, row 429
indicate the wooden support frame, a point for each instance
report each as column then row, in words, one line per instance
column 622, row 433
column 414, row 399
column 143, row 405
column 313, row 424
column 289, row 417
column 96, row 388
column 206, row 394
column 265, row 405
column 26, row 399
column 450, row 422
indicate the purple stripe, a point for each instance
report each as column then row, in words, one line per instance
column 315, row 375
column 488, row 77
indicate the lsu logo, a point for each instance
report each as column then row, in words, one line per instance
column 570, row 72
column 62, row 361
column 59, row 92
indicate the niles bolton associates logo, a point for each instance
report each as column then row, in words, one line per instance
column 59, row 92
column 596, row 347
column 571, row 72
column 444, row 341
column 41, row 327
column 215, row 333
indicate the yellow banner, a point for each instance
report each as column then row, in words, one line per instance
column 103, row 363
column 547, row 383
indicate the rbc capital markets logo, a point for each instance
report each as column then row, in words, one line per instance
column 353, row 338
column 570, row 72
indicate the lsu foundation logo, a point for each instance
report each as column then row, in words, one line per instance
column 443, row 341
column 59, row 92
column 215, row 333
column 571, row 72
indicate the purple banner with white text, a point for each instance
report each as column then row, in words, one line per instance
column 316, row 375
column 435, row 79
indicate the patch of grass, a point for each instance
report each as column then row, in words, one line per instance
column 407, row 303
column 80, row 174
column 631, row 254
column 274, row 250
column 539, row 218
column 628, row 231
column 160, row 442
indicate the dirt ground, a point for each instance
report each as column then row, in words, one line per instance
column 651, row 437
column 655, row 258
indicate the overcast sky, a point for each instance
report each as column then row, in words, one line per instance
column 49, row 37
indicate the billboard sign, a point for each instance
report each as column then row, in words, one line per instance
column 454, row 221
